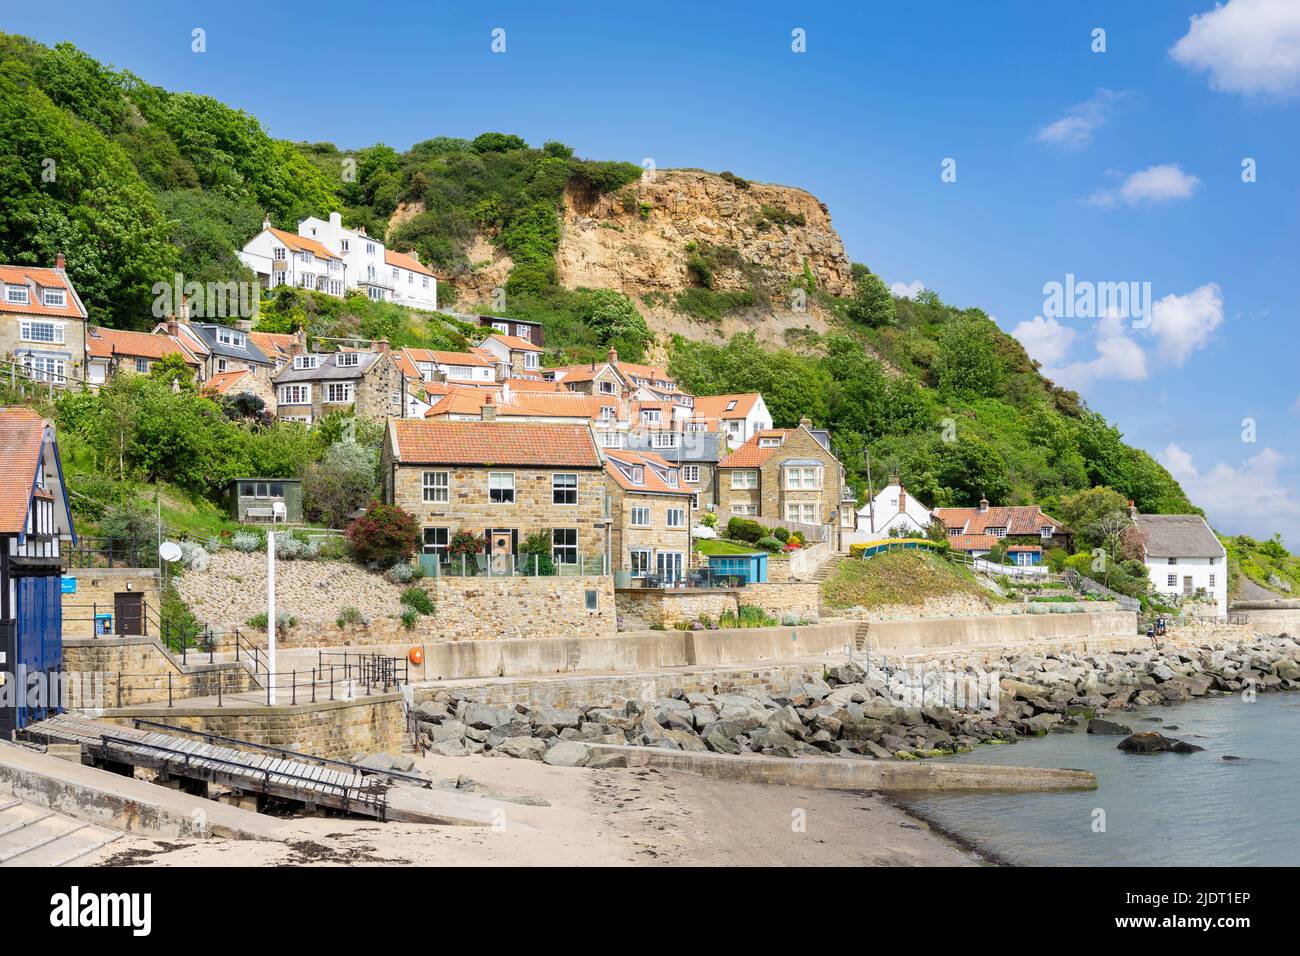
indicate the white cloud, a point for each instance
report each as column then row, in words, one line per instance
column 908, row 290
column 1253, row 499
column 1247, row 46
column 1074, row 130
column 1046, row 340
column 1162, row 183
column 1184, row 323
column 1119, row 356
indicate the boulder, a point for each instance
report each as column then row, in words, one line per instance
column 556, row 717
column 568, row 753
column 484, row 716
column 1107, row 727
column 1150, row 742
column 526, row 748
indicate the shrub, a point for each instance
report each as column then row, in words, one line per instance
column 418, row 600
column 385, row 534
column 283, row 621
column 257, row 622
column 289, row 547
column 193, row 556
column 247, row 542
column 709, row 519
column 214, row 544
column 465, row 543
column 536, row 551
column 409, row 616
column 769, row 543
column 350, row 616
column 745, row 529
column 400, row 573
column 781, row 534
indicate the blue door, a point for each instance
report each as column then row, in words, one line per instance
column 38, row 623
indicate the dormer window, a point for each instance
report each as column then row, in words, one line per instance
column 347, row 359
column 651, row 416
column 55, row 298
column 664, row 440
column 231, row 337
column 301, row 362
column 638, row 475
column 16, row 294
column 769, row 443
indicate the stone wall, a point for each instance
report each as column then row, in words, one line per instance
column 1001, row 631
column 790, row 597
column 96, row 588
column 122, row 671
column 487, row 608
column 340, row 729
column 641, row 608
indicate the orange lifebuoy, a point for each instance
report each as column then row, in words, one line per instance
column 416, row 656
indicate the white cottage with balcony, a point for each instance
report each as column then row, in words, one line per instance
column 282, row 258
column 383, row 274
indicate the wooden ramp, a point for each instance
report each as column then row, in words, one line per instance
column 316, row 784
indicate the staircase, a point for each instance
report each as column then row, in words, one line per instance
column 861, row 634
column 35, row 836
column 827, row 567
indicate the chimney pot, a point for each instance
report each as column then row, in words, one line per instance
column 805, row 422
column 266, row 221
column 984, row 504
column 59, row 262
column 173, row 327
column 612, row 355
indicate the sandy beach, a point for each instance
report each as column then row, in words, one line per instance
column 594, row 818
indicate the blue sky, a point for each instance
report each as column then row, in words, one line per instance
column 1122, row 165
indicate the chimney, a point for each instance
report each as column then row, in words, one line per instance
column 266, row 221
column 361, row 230
column 489, row 411
column 244, row 325
column 183, row 313
column 805, row 422
column 173, row 327
column 414, row 255
column 381, row 345
column 902, row 499
column 59, row 262
column 299, row 344
column 612, row 356
column 1132, row 510
column 984, row 504
column 336, row 220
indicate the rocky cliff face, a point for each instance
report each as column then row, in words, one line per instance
column 640, row 239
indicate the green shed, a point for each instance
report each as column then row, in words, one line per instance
column 265, row 499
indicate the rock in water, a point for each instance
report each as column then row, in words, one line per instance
column 1108, row 727
column 1150, row 742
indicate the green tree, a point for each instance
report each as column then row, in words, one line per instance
column 872, row 303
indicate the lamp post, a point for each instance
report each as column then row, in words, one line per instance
column 270, row 615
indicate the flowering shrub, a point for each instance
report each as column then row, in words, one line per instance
column 384, row 535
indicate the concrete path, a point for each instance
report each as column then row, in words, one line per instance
column 31, row 835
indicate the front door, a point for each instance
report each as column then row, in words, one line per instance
column 128, row 612
column 1187, row 585
column 670, row 565
column 501, row 549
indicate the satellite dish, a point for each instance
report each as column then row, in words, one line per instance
column 169, row 551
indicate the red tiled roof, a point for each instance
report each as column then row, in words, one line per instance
column 715, row 406
column 972, row 542
column 106, row 343
column 404, row 261
column 1017, row 519
column 301, row 243
column 652, row 482
column 514, row 342
column 1025, row 547
column 22, row 435
column 223, row 382
column 425, row 442
column 37, row 279
column 750, row 454
column 470, row 401
column 272, row 343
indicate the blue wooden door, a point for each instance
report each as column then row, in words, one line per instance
column 38, row 621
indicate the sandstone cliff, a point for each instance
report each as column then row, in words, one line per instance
column 640, row 239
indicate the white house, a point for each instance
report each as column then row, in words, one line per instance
column 892, row 510
column 383, row 274
column 739, row 417
column 1184, row 558
column 512, row 356
column 282, row 258
column 432, row 365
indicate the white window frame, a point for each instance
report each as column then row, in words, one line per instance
column 436, row 487
column 806, row 478
column 307, row 362
column 530, row 360
column 28, row 328
column 17, row 295
column 647, row 559
column 663, row 440
column 744, row 510
column 54, row 298
column 676, row 518
column 691, row 474
column 340, row 393
column 564, row 484
column 347, row 359
column 744, row 479
column 503, row 483
column 639, row 511
column 294, row 393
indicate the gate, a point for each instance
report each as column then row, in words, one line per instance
column 34, row 658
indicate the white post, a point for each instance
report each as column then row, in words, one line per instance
column 270, row 614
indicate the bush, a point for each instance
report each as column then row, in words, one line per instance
column 418, row 600
column 350, row 616
column 536, row 551
column 781, row 534
column 193, row 556
column 745, row 529
column 769, row 543
column 340, row 483
column 283, row 621
column 409, row 616
column 709, row 519
column 289, row 547
column 400, row 573
column 247, row 542
column 214, row 544
column 384, row 535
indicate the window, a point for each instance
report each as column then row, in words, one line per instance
column 695, row 501
column 806, row 512
column 51, row 332
column 807, row 478
column 45, row 369
column 370, row 248
column 762, row 442
column 640, row 562
column 295, row 394
column 611, row 439
column 607, row 388
column 501, row 487
column 744, row 509
column 278, row 254
column 1172, row 581
column 1046, row 532
column 524, row 332
column 231, row 337
column 731, row 405
column 435, row 542
column 347, row 359
column 425, row 282
column 436, row 487
column 261, row 489
column 593, row 600
column 1173, row 560
column 606, row 412
column 305, row 361
column 640, row 517
column 502, row 327
column 691, row 474
column 55, row 297
column 997, row 532
column 677, row 517
column 564, row 489
column 1211, row 580
column 141, row 365
column 338, row 392
column 16, row 294
column 564, row 545
column 664, row 440
column 530, row 360
column 744, row 478
column 344, row 245
column 650, row 416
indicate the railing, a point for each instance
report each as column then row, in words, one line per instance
column 111, row 553
column 25, row 379
column 372, row 669
column 694, row 578
column 108, row 615
column 1083, row 583
column 510, row 565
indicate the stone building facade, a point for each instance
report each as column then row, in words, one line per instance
column 314, row 385
column 42, row 322
column 786, row 477
column 502, row 480
column 651, row 512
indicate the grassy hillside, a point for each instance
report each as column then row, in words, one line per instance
column 899, row 577
column 1266, row 565
column 143, row 183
